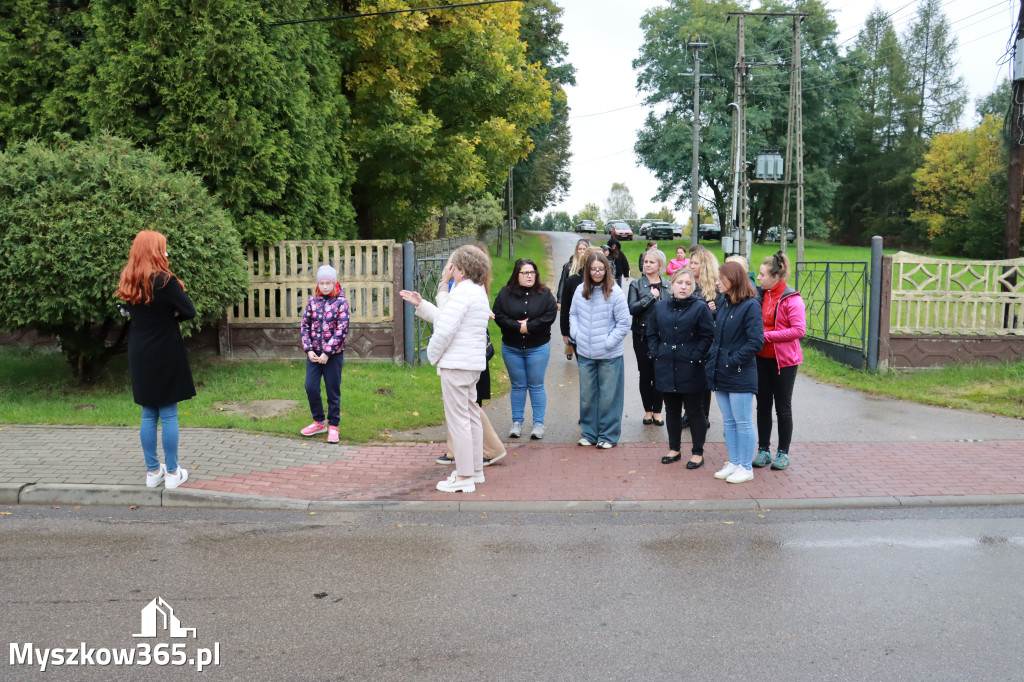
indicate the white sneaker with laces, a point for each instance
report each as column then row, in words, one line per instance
column 153, row 480
column 740, row 475
column 538, row 432
column 584, row 442
column 726, row 471
column 450, row 485
column 604, row 445
column 172, row 481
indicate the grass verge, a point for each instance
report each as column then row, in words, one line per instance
column 376, row 397
column 981, row 387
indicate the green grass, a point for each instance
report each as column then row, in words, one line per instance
column 376, row 397
column 40, row 390
column 981, row 387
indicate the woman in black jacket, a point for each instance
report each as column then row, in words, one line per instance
column 644, row 292
column 679, row 334
column 731, row 369
column 524, row 310
column 157, row 361
column 618, row 260
column 570, row 268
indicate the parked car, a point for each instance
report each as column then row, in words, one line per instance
column 622, row 231
column 661, row 233
column 645, row 229
column 772, row 234
column 586, row 226
column 709, row 231
column 611, row 224
column 677, row 230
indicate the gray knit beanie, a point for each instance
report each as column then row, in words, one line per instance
column 327, row 272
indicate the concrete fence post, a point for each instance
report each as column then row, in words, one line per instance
column 875, row 304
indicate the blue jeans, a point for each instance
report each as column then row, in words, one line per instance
column 602, row 383
column 738, row 422
column 526, row 368
column 331, row 375
column 167, row 415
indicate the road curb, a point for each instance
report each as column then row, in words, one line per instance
column 184, row 498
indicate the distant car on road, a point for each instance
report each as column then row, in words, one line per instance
column 677, row 230
column 609, row 225
column 772, row 235
column 586, row 226
column 710, row 231
column 661, row 233
column 622, row 231
column 645, row 229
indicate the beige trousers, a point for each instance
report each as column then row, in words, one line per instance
column 492, row 444
column 458, row 389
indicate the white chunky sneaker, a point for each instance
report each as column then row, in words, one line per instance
column 726, row 471
column 740, row 475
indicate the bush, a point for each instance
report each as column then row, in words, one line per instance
column 69, row 215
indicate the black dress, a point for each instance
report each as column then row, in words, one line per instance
column 157, row 359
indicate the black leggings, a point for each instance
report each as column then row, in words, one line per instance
column 648, row 394
column 774, row 386
column 693, row 402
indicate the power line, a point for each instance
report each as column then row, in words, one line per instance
column 610, row 111
column 336, row 17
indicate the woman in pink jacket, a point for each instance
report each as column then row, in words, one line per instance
column 784, row 320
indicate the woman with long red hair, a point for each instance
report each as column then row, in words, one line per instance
column 157, row 361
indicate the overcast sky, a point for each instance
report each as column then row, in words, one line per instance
column 604, row 38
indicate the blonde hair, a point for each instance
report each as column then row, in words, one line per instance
column 778, row 265
column 738, row 259
column 708, row 271
column 659, row 256
column 679, row 273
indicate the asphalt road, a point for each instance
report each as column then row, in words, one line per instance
column 855, row 595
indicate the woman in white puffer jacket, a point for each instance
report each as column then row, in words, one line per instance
column 457, row 348
column 599, row 321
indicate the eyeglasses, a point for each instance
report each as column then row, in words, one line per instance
column 596, row 271
column 528, row 273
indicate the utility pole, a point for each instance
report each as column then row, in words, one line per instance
column 738, row 163
column 694, row 174
column 1011, row 238
column 794, row 133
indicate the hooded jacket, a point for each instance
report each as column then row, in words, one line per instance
column 790, row 326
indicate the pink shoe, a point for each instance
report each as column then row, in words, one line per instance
column 332, row 434
column 314, row 428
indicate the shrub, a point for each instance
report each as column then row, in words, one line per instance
column 69, row 214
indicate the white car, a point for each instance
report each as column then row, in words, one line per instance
column 587, row 226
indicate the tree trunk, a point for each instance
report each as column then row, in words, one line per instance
column 442, row 224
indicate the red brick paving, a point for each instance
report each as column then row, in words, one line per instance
column 632, row 472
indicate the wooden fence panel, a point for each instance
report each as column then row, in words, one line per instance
column 282, row 277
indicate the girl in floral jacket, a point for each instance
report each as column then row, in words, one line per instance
column 324, row 329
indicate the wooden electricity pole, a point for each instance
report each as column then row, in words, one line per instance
column 794, row 133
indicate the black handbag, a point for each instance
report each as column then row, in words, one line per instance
column 489, row 352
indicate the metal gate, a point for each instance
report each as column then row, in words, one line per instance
column 427, row 278
column 836, row 296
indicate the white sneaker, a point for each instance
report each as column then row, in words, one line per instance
column 450, row 485
column 538, row 432
column 516, row 431
column 172, row 481
column 478, row 476
column 740, row 475
column 604, row 445
column 584, row 442
column 726, row 471
column 153, row 480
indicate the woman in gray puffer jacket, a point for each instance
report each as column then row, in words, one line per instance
column 599, row 321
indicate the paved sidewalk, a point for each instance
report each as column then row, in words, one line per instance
column 99, row 465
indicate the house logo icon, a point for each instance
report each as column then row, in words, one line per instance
column 158, row 615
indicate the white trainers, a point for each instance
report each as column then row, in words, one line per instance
column 478, row 476
column 584, row 442
column 450, row 485
column 726, row 471
column 172, row 481
column 604, row 445
column 538, row 432
column 516, row 431
column 153, row 480
column 740, row 475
